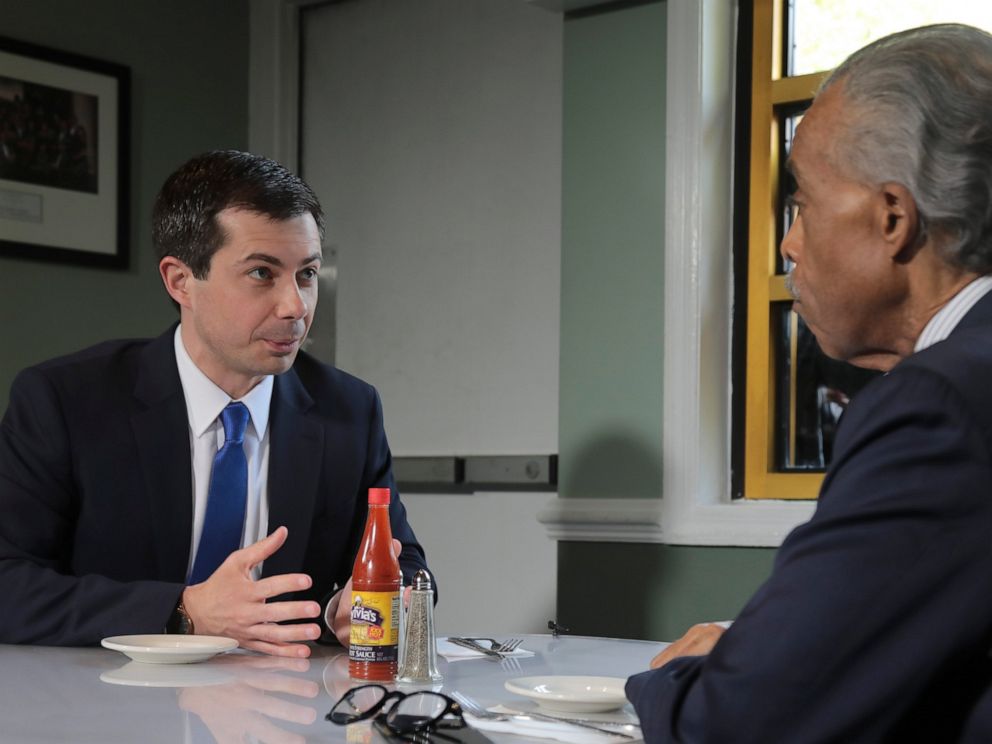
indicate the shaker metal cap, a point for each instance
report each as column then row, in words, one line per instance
column 421, row 580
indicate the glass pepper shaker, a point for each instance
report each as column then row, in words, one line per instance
column 418, row 651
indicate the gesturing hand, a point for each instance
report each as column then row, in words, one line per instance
column 231, row 603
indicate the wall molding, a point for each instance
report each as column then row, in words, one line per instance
column 740, row 523
column 603, row 520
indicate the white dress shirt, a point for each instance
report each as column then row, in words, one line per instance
column 204, row 402
column 948, row 317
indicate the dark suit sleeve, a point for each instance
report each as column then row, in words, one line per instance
column 379, row 474
column 42, row 601
column 875, row 622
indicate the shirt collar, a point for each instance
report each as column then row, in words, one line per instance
column 948, row 317
column 205, row 401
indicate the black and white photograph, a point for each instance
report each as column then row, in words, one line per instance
column 48, row 136
column 63, row 156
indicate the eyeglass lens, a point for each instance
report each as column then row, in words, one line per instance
column 357, row 704
column 416, row 711
column 408, row 713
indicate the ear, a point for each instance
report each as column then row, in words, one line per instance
column 176, row 276
column 898, row 221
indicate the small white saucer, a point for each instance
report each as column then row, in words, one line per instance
column 572, row 694
column 169, row 649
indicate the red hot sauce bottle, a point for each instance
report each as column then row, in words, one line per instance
column 375, row 597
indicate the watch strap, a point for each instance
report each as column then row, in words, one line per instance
column 180, row 623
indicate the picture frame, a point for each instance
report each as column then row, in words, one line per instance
column 64, row 156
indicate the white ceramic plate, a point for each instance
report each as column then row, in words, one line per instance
column 572, row 694
column 169, row 649
column 136, row 674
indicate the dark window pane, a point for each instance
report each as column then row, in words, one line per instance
column 811, row 392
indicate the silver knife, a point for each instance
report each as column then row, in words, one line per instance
column 574, row 719
column 467, row 643
column 581, row 723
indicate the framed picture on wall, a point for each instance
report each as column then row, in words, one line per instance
column 64, row 146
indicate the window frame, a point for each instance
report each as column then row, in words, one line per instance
column 695, row 507
column 770, row 90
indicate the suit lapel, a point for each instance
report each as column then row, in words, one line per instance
column 161, row 430
column 979, row 315
column 296, row 443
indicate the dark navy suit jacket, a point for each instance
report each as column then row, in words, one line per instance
column 96, row 489
column 876, row 623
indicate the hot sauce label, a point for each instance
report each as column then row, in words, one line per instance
column 375, row 626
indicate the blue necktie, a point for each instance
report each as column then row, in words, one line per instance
column 228, row 492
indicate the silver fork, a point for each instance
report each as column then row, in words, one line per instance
column 504, row 647
column 474, row 709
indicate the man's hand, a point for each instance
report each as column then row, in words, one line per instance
column 341, row 623
column 698, row 641
column 231, row 603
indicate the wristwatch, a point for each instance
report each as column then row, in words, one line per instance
column 180, row 623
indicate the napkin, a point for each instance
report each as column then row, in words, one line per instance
column 452, row 652
column 548, row 729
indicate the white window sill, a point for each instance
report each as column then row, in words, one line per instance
column 696, row 508
column 740, row 523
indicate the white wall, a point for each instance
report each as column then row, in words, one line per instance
column 432, row 134
column 431, row 131
column 496, row 567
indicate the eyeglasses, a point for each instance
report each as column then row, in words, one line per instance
column 406, row 713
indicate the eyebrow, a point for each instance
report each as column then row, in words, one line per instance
column 790, row 167
column 266, row 258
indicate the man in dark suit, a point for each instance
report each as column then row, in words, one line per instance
column 876, row 623
column 108, row 513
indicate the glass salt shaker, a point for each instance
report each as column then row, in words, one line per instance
column 418, row 649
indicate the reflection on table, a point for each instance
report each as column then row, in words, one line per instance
column 94, row 694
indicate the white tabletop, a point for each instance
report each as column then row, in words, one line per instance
column 96, row 695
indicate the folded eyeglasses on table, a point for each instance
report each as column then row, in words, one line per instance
column 409, row 716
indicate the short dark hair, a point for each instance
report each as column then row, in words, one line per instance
column 184, row 219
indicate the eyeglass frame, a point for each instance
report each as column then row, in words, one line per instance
column 376, row 711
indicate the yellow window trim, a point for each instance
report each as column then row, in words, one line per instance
column 768, row 90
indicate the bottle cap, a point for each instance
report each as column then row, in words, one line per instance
column 422, row 581
column 379, row 496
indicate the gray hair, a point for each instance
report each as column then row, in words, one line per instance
column 921, row 115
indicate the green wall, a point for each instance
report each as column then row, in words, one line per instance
column 627, row 590
column 612, row 266
column 189, row 93
column 612, row 332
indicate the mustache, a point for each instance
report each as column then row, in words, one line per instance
column 790, row 286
